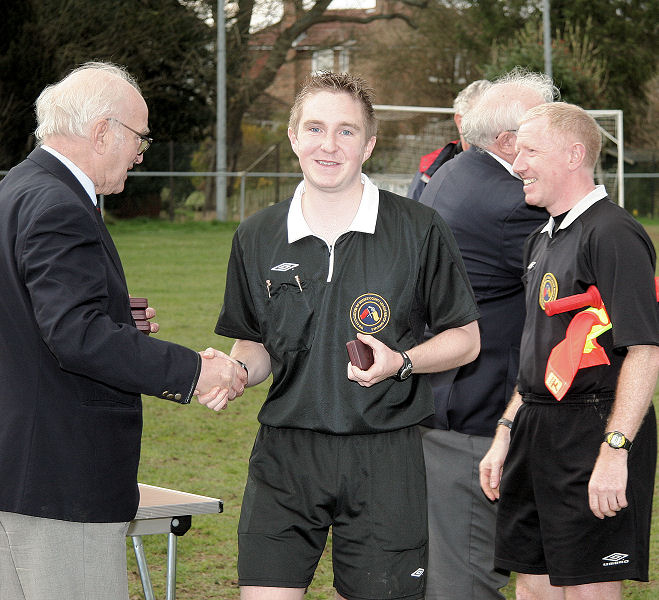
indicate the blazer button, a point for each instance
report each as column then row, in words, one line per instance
column 170, row 396
column 177, row 397
column 164, row 394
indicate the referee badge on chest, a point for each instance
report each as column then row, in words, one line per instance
column 369, row 313
column 548, row 289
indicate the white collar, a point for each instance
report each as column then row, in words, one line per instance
column 82, row 177
column 577, row 210
column 364, row 221
column 504, row 163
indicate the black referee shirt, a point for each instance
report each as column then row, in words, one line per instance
column 304, row 300
column 600, row 244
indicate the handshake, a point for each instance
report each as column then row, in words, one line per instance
column 221, row 379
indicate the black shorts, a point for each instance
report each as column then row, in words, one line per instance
column 369, row 488
column 544, row 522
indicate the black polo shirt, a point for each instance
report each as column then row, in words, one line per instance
column 598, row 243
column 397, row 269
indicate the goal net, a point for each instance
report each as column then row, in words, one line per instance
column 406, row 133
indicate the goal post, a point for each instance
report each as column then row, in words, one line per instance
column 406, row 133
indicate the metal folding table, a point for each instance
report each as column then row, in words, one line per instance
column 162, row 510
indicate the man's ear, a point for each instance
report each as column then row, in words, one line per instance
column 457, row 119
column 577, row 156
column 506, row 145
column 100, row 136
column 368, row 149
column 294, row 141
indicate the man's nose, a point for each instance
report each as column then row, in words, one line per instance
column 518, row 164
column 329, row 143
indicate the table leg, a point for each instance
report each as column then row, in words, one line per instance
column 171, row 567
column 143, row 568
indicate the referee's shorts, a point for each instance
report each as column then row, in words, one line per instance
column 544, row 522
column 369, row 488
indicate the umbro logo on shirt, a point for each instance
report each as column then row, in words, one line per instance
column 418, row 573
column 285, row 267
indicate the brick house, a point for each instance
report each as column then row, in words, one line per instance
column 337, row 46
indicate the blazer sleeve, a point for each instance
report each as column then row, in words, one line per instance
column 80, row 301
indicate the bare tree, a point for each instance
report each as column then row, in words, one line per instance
column 244, row 85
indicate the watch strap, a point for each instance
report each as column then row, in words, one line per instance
column 406, row 369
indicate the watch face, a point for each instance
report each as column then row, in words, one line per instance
column 406, row 371
column 616, row 440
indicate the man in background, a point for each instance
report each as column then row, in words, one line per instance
column 482, row 201
column 431, row 162
column 578, row 478
column 73, row 364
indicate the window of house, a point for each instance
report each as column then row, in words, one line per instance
column 330, row 59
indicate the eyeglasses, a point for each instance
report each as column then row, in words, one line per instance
column 506, row 131
column 145, row 142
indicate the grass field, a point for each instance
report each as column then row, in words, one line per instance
column 181, row 269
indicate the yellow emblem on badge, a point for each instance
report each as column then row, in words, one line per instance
column 548, row 289
column 369, row 313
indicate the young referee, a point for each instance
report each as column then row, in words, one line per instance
column 578, row 477
column 338, row 446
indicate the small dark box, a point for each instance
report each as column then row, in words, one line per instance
column 139, row 303
column 138, row 308
column 361, row 355
column 139, row 314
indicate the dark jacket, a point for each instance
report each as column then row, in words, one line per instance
column 484, row 206
column 72, row 364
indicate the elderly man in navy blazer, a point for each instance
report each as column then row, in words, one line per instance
column 73, row 364
column 482, row 201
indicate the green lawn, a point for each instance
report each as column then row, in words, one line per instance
column 181, row 268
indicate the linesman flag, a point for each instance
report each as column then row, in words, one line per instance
column 579, row 349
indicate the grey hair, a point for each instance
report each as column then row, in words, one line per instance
column 469, row 95
column 85, row 95
column 502, row 105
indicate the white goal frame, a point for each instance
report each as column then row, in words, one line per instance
column 616, row 138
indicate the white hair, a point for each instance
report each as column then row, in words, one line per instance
column 502, row 105
column 469, row 95
column 85, row 95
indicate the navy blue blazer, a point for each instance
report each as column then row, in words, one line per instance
column 484, row 206
column 72, row 364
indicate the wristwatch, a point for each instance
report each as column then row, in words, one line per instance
column 406, row 370
column 617, row 440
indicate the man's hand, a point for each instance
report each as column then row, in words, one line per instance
column 491, row 466
column 608, row 482
column 221, row 379
column 386, row 362
column 150, row 314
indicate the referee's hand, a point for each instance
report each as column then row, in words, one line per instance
column 608, row 482
column 386, row 362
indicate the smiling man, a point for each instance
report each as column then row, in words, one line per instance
column 338, row 446
column 578, row 477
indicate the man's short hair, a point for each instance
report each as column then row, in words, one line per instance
column 497, row 109
column 85, row 95
column 327, row 81
column 570, row 123
column 469, row 95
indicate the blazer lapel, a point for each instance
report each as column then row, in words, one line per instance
column 49, row 162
